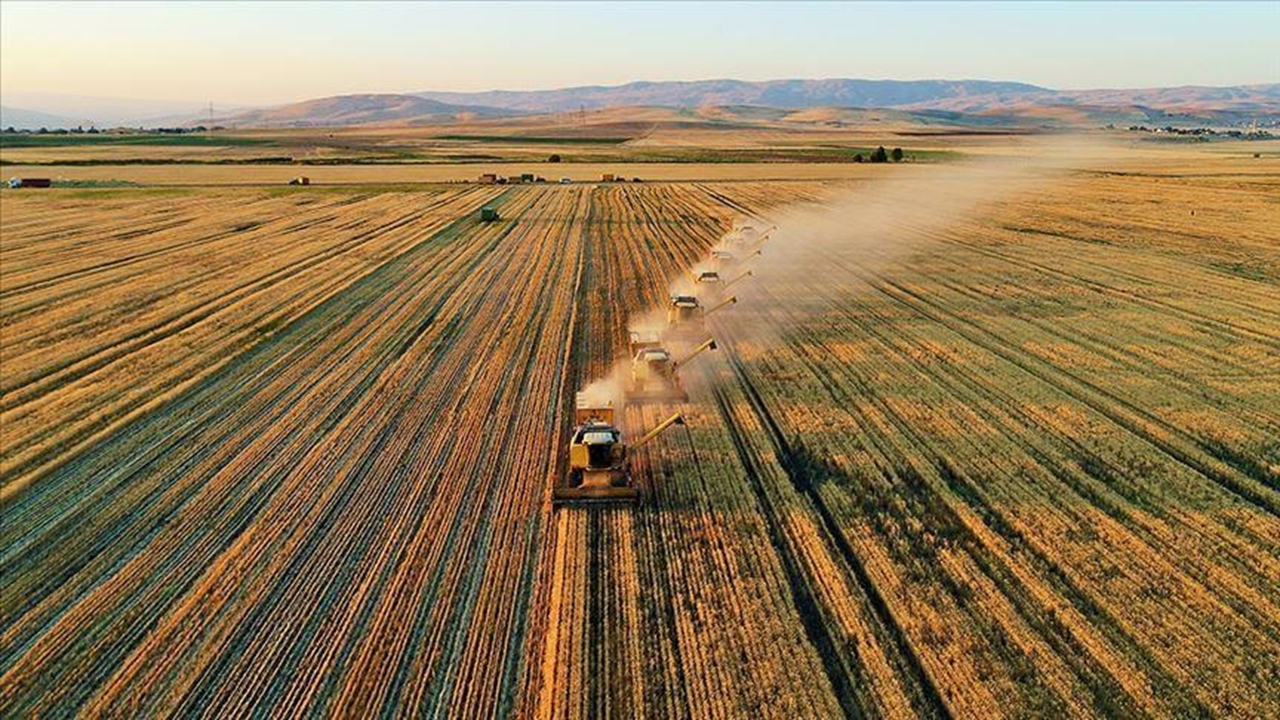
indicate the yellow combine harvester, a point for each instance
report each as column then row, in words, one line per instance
column 714, row 283
column 655, row 375
column 709, row 279
column 686, row 316
column 747, row 238
column 599, row 471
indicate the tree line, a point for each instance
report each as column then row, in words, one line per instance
column 880, row 155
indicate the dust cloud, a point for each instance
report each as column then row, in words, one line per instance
column 881, row 223
column 796, row 260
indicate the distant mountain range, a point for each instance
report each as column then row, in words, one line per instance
column 981, row 100
column 41, row 109
column 773, row 93
column 33, row 119
column 960, row 95
column 365, row 109
column 957, row 101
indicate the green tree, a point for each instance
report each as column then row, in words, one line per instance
column 896, row 154
column 880, row 155
column 554, row 158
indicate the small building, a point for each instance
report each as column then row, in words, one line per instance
column 18, row 182
column 489, row 214
column 607, row 177
column 489, row 178
column 527, row 177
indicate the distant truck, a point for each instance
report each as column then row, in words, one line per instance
column 18, row 182
column 489, row 214
column 300, row 180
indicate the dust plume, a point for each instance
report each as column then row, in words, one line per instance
column 608, row 390
column 800, row 261
column 880, row 223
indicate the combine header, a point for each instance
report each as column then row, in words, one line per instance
column 707, row 278
column 722, row 258
column 599, row 471
column 725, row 260
column 655, row 374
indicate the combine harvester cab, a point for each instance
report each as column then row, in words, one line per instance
column 728, row 260
column 686, row 316
column 722, row 259
column 655, row 374
column 746, row 240
column 710, row 283
column 654, row 378
column 708, row 278
column 716, row 285
column 598, row 463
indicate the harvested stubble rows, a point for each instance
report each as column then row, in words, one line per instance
column 336, row 497
column 1027, row 468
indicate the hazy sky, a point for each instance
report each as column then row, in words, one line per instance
column 264, row 53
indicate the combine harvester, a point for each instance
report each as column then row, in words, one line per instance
column 686, row 316
column 712, row 284
column 599, row 468
column 747, row 238
column 709, row 279
column 725, row 260
column 655, row 375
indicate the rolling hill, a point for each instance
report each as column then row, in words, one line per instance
column 978, row 102
column 774, row 93
column 974, row 96
column 342, row 110
column 24, row 119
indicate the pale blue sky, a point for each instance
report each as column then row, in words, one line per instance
column 262, row 53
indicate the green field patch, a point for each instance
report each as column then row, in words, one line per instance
column 270, row 160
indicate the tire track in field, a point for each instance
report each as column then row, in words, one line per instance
column 1119, row 410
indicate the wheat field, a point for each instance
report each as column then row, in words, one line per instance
column 289, row 450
